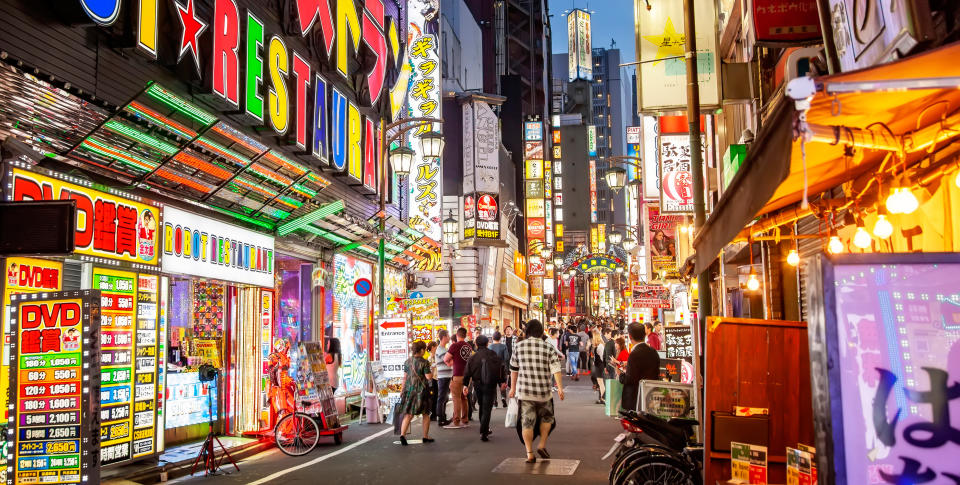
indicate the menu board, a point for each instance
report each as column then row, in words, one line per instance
column 885, row 366
column 55, row 372
column 118, row 295
column 145, row 368
column 667, row 399
column 678, row 342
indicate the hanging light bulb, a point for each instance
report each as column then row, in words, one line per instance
column 882, row 228
column 908, row 201
column 753, row 284
column 861, row 238
column 835, row 246
column 793, row 258
column 901, row 199
column 957, row 180
column 893, row 201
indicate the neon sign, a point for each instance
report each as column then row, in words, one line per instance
column 52, row 379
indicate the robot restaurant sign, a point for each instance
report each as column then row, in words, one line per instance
column 337, row 132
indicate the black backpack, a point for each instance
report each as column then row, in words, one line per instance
column 492, row 371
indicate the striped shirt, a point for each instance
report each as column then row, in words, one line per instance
column 535, row 362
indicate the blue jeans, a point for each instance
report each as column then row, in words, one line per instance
column 572, row 357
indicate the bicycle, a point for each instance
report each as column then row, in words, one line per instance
column 298, row 433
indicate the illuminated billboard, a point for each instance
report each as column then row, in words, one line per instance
column 580, row 55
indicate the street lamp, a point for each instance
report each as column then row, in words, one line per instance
column 616, row 178
column 401, row 158
column 432, row 143
column 558, row 261
column 450, row 229
column 615, row 238
column 545, row 252
column 629, row 243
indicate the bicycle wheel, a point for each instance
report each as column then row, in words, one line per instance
column 656, row 469
column 296, row 434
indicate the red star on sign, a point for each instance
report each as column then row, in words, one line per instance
column 192, row 28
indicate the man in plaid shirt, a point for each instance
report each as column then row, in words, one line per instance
column 533, row 363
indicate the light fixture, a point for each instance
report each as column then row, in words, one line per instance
column 401, row 158
column 957, row 180
column 545, row 252
column 432, row 144
column 616, row 178
column 629, row 243
column 620, row 269
column 882, row 228
column 861, row 238
column 558, row 261
column 753, row 284
column 834, row 246
column 572, row 272
column 793, row 257
column 450, row 229
column 901, row 199
column 615, row 238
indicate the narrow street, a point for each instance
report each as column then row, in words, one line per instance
column 372, row 455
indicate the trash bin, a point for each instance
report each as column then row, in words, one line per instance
column 372, row 405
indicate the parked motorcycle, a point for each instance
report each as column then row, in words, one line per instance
column 654, row 451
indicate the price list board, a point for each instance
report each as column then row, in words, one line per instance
column 118, row 297
column 55, row 429
column 145, row 367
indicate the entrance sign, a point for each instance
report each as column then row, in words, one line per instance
column 393, row 354
column 55, row 374
column 196, row 245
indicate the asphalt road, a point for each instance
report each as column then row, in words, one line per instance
column 369, row 454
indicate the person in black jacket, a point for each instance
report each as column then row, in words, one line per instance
column 643, row 364
column 486, row 371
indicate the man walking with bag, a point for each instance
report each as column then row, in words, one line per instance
column 533, row 364
column 486, row 371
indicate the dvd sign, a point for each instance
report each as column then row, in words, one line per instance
column 487, row 216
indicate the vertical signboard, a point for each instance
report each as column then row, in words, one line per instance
column 426, row 177
column 662, row 76
column 651, row 149
column 265, row 314
column 593, row 191
column 885, row 365
column 145, row 366
column 676, row 177
column 118, row 297
column 54, row 375
column 481, row 173
column 393, row 354
column 580, row 54
column 662, row 244
column 24, row 275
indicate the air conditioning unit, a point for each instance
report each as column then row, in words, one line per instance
column 427, row 281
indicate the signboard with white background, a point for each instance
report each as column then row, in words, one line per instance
column 200, row 246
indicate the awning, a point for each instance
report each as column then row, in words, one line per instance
column 908, row 104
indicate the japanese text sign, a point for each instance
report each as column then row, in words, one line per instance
column 651, row 296
column 892, row 327
column 676, row 178
column 53, row 376
column 108, row 225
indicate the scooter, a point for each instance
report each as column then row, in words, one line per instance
column 653, row 450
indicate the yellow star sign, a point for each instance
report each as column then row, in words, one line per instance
column 670, row 44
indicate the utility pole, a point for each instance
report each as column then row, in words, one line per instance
column 696, row 165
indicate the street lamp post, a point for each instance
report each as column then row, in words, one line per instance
column 450, row 231
column 401, row 160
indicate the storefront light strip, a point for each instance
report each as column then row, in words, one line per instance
column 394, row 247
column 367, row 249
column 140, row 137
column 115, row 154
column 279, row 214
column 404, row 240
column 304, row 191
column 158, row 119
column 270, row 175
column 181, row 105
column 307, row 220
column 195, row 162
column 290, row 201
column 230, row 132
column 327, row 235
column 223, row 151
column 167, row 174
column 323, row 182
column 253, row 186
column 416, row 235
column 286, row 203
column 245, row 218
column 286, row 162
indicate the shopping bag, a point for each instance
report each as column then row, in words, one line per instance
column 397, row 419
column 614, row 395
column 512, row 411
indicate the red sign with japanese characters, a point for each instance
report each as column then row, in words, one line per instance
column 108, row 226
column 786, row 21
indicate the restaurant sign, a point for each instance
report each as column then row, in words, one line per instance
column 199, row 246
column 54, row 430
column 109, row 224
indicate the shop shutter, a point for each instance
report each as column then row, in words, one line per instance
column 808, row 248
column 72, row 275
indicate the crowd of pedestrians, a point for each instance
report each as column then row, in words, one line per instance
column 527, row 364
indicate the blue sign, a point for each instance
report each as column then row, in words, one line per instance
column 103, row 12
column 363, row 287
column 416, row 294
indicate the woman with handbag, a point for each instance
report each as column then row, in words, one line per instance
column 415, row 398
